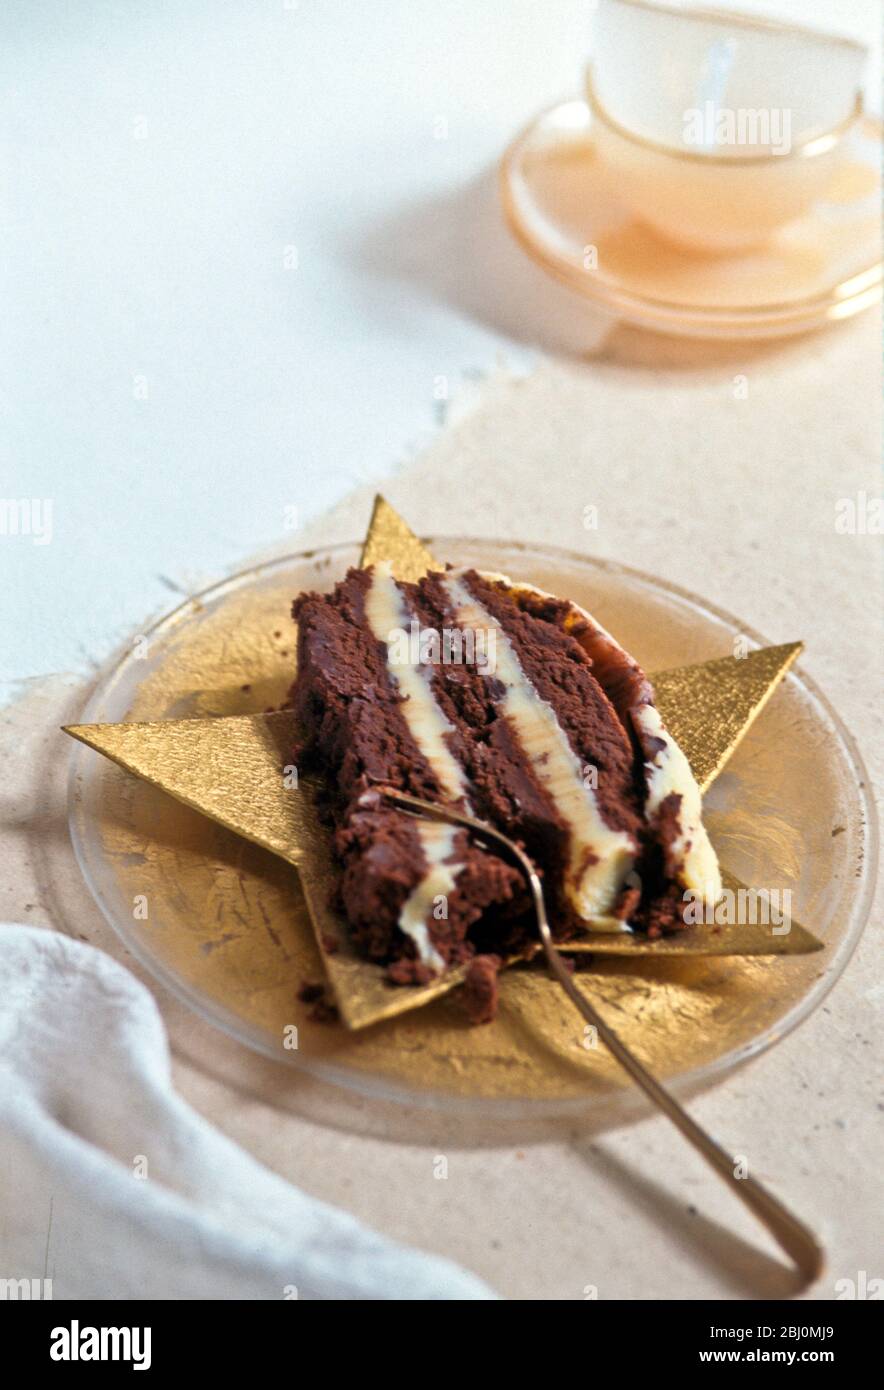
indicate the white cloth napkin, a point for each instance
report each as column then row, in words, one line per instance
column 86, row 1104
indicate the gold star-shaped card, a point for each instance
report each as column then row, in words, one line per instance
column 231, row 769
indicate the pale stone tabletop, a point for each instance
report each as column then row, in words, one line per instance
column 740, row 454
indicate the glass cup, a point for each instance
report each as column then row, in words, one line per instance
column 735, row 129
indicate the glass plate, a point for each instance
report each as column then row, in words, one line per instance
column 560, row 206
column 227, row 931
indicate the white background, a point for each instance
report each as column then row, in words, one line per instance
column 159, row 160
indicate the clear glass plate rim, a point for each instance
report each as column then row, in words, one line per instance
column 218, row 1015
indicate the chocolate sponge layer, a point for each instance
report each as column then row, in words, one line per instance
column 357, row 736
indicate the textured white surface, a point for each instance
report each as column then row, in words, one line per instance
column 266, row 384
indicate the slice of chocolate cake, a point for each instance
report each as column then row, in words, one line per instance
column 512, row 705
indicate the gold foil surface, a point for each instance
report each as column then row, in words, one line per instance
column 390, row 538
column 708, row 709
column 236, row 929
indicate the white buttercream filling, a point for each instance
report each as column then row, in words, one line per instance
column 592, row 888
column 599, row 857
column 387, row 614
column 667, row 772
column 437, row 843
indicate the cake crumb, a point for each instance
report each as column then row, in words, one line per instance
column 323, row 1009
column 407, row 971
column 310, row 991
column 480, row 989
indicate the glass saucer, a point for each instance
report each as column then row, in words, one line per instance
column 226, row 930
column 563, row 210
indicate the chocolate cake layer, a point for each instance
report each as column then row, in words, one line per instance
column 408, row 895
column 411, row 889
column 511, row 704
